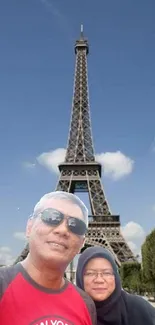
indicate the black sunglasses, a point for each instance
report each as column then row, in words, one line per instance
column 54, row 218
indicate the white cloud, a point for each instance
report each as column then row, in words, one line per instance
column 133, row 230
column 28, row 165
column 52, row 159
column 132, row 246
column 6, row 257
column 5, row 249
column 115, row 164
column 134, row 235
column 19, row 235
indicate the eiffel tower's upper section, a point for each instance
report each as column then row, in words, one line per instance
column 82, row 43
column 80, row 144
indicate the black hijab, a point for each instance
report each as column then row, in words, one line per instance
column 111, row 311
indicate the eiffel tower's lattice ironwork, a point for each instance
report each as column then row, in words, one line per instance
column 81, row 173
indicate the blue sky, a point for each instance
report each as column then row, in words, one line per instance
column 36, row 86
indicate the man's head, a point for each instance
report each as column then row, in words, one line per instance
column 56, row 228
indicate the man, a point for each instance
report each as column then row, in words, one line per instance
column 34, row 292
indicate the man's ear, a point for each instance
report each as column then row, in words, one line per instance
column 29, row 227
column 82, row 244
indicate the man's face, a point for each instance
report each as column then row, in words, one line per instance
column 56, row 245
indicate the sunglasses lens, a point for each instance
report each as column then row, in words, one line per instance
column 76, row 226
column 52, row 217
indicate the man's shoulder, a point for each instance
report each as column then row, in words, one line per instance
column 8, row 270
column 84, row 295
column 7, row 275
column 89, row 303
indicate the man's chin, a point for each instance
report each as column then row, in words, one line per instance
column 56, row 259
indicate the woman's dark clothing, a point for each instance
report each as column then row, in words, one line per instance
column 120, row 308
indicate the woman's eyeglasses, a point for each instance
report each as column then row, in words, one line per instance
column 105, row 274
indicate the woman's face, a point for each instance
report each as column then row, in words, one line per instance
column 99, row 279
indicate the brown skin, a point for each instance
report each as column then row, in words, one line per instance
column 45, row 262
column 99, row 288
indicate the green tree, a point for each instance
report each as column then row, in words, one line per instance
column 131, row 276
column 148, row 262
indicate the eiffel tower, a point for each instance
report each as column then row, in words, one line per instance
column 80, row 172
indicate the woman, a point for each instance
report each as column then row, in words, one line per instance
column 98, row 275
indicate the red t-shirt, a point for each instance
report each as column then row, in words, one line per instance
column 24, row 302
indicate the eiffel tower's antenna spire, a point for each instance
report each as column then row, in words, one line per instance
column 82, row 42
column 82, row 31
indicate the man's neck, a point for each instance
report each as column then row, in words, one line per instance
column 48, row 277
